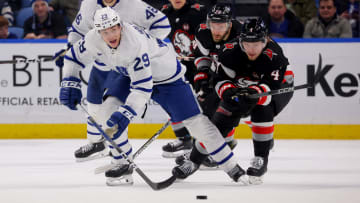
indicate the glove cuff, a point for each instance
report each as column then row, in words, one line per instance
column 224, row 87
column 127, row 111
column 72, row 82
column 265, row 100
column 200, row 76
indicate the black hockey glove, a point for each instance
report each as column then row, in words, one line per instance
column 237, row 100
column 201, row 82
column 243, row 94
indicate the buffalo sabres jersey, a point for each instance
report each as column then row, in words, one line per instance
column 146, row 60
column 270, row 69
column 133, row 11
column 206, row 48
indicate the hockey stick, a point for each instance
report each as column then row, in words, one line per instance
column 45, row 59
column 294, row 88
column 155, row 186
column 104, row 168
column 27, row 61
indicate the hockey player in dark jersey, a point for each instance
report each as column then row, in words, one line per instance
column 219, row 29
column 184, row 16
column 209, row 39
column 250, row 65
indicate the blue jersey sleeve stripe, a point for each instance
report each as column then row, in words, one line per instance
column 73, row 29
column 178, row 70
column 142, row 81
column 218, row 150
column 99, row 63
column 226, row 158
column 143, row 89
column 92, row 133
column 74, row 59
column 154, row 26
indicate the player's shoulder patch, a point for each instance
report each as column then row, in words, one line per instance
column 229, row 46
column 203, row 26
column 197, row 6
column 270, row 53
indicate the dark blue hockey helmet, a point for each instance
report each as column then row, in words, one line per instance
column 253, row 30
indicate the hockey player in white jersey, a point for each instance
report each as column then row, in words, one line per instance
column 133, row 11
column 148, row 69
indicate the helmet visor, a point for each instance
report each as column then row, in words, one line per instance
column 219, row 26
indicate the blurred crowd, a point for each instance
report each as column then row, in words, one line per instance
column 50, row 19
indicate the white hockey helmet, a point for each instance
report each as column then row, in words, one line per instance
column 106, row 17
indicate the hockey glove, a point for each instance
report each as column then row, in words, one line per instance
column 245, row 104
column 70, row 92
column 59, row 56
column 121, row 118
column 201, row 83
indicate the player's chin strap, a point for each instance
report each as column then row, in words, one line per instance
column 155, row 186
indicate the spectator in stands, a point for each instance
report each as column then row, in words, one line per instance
column 69, row 8
column 15, row 5
column 44, row 24
column 207, row 4
column 6, row 11
column 328, row 24
column 282, row 22
column 352, row 13
column 303, row 9
column 4, row 29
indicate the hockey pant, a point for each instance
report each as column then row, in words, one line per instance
column 178, row 100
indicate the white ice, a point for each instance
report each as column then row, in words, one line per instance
column 306, row 171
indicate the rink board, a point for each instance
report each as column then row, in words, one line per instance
column 29, row 105
column 144, row 131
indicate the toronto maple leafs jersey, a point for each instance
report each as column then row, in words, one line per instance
column 146, row 60
column 133, row 11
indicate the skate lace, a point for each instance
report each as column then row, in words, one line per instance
column 257, row 162
column 176, row 143
column 87, row 147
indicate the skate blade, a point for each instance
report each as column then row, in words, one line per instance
column 207, row 168
column 120, row 181
column 255, row 180
column 98, row 155
column 103, row 169
column 174, row 154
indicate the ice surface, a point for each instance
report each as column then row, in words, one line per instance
column 306, row 171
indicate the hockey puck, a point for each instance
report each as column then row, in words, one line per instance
column 201, row 196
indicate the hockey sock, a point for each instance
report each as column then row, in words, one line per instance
column 196, row 156
column 262, row 148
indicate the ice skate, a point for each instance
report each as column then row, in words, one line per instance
column 91, row 151
column 185, row 170
column 120, row 175
column 256, row 171
column 176, row 148
column 237, row 174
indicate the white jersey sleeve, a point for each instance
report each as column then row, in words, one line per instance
column 132, row 11
column 81, row 54
column 147, row 17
